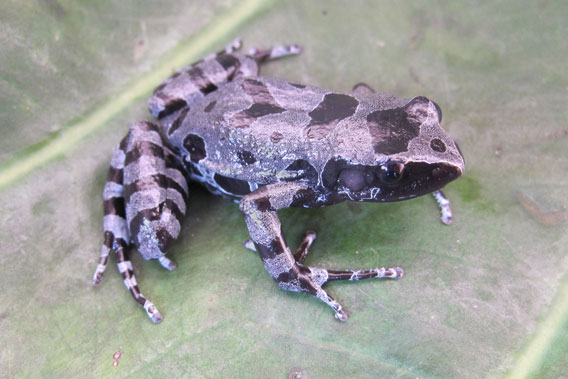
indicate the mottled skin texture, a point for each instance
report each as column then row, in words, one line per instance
column 268, row 144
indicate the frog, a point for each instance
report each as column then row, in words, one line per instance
column 267, row 144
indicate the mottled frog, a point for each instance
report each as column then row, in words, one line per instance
column 268, row 144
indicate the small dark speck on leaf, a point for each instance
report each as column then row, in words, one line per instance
column 540, row 213
column 324, row 12
column 296, row 373
column 498, row 151
column 117, row 354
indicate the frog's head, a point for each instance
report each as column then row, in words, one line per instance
column 412, row 156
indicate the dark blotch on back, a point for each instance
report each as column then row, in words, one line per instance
column 179, row 119
column 263, row 104
column 393, row 129
column 195, row 147
column 334, row 108
column 245, row 157
column 209, row 107
column 438, row 145
column 263, row 109
column 231, row 185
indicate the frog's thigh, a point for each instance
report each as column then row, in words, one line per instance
column 155, row 190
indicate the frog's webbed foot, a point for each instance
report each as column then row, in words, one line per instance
column 445, row 206
column 302, row 250
column 312, row 279
column 260, row 209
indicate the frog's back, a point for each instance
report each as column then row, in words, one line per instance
column 265, row 130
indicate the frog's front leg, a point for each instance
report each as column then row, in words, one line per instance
column 260, row 209
column 302, row 250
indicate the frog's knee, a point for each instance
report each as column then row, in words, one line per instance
column 153, row 236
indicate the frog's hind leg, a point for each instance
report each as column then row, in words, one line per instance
column 155, row 191
column 116, row 235
column 173, row 97
column 193, row 82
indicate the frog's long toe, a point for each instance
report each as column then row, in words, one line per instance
column 383, row 272
column 127, row 271
column 317, row 277
column 152, row 312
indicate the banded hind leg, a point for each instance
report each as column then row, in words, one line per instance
column 144, row 202
column 260, row 209
column 441, row 199
column 175, row 94
column 116, row 233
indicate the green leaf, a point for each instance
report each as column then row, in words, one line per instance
column 485, row 297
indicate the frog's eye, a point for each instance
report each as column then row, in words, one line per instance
column 391, row 172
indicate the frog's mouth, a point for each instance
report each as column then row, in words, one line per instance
column 418, row 178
